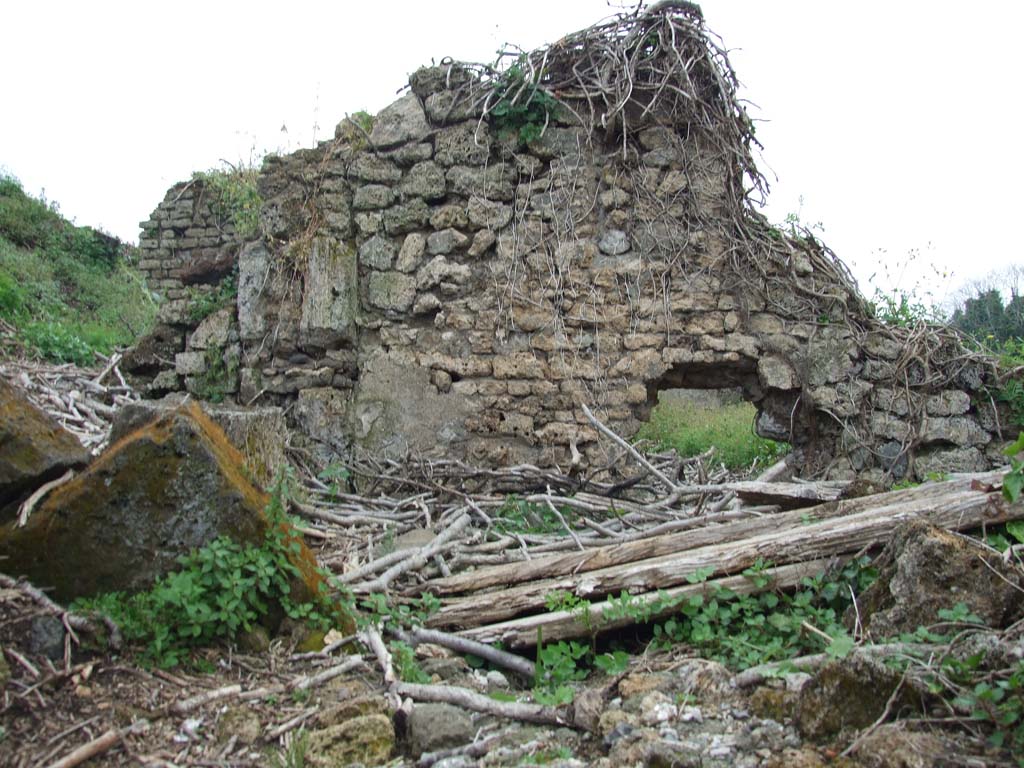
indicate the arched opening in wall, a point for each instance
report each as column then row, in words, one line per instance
column 697, row 406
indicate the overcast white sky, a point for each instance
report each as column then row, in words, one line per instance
column 896, row 122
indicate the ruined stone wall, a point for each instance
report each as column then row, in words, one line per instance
column 429, row 285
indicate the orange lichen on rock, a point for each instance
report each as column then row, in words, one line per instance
column 161, row 491
column 33, row 449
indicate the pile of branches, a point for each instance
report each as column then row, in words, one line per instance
column 82, row 400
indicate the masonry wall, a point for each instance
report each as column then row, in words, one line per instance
column 429, row 286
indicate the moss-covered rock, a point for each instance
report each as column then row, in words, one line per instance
column 33, row 449
column 925, row 569
column 369, row 740
column 848, row 695
column 165, row 489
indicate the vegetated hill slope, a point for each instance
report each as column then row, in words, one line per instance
column 66, row 292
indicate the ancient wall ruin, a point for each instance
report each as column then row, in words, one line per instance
column 448, row 282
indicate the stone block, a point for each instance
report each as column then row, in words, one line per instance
column 521, row 365
column 446, row 241
column 391, row 290
column 399, row 123
column 330, row 306
column 406, row 217
column 425, row 180
column 411, row 252
column 776, row 373
column 378, row 253
column 190, row 363
column 948, row 403
column 467, row 143
column 372, row 197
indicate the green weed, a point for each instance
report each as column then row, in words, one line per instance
column 519, row 516
column 221, row 590
column 236, row 196
column 533, row 108
column 729, row 429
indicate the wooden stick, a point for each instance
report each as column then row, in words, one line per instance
column 97, row 746
column 30, row 503
column 477, row 702
column 185, row 706
column 500, row 658
column 417, row 558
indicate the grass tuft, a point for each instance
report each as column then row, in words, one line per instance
column 691, row 430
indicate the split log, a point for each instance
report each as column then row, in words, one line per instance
column 565, row 625
column 956, row 505
column 788, row 495
column 574, row 563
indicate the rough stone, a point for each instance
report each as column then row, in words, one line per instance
column 365, row 740
column 391, row 290
column 893, row 745
column 214, row 332
column 412, row 250
column 848, row 695
column 425, row 180
column 433, row 727
column 378, row 252
column 394, row 409
column 373, row 197
column 614, row 242
column 330, row 306
column 930, row 462
column 949, row 403
column 320, row 413
column 953, row 429
column 467, row 143
column 439, row 270
column 46, row 637
column 255, row 431
column 446, row 241
column 488, row 214
column 34, row 449
column 399, row 123
column 406, row 217
column 482, row 241
column 924, row 569
column 158, row 493
column 775, row 373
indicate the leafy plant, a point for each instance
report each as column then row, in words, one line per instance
column 523, row 107
column 203, row 303
column 558, row 665
column 404, row 658
column 520, row 516
column 614, row 663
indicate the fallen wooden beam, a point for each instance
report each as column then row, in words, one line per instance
column 956, row 505
column 574, row 563
column 601, row 617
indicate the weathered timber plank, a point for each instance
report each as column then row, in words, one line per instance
column 563, row 625
column 960, row 508
column 657, row 546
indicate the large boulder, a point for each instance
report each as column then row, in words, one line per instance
column 34, row 449
column 168, row 487
column 258, row 432
column 925, row 569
